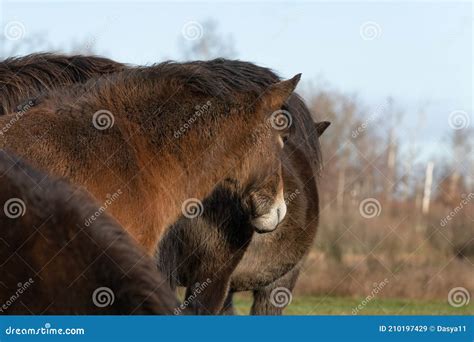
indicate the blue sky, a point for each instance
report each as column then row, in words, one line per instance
column 421, row 56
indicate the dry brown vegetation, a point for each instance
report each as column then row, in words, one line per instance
column 421, row 255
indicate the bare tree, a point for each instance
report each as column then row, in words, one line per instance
column 205, row 42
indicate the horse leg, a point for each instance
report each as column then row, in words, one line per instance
column 273, row 299
column 207, row 297
column 228, row 307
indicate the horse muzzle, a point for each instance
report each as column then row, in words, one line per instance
column 269, row 222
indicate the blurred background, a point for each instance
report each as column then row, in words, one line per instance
column 395, row 79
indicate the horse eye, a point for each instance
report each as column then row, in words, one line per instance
column 285, row 137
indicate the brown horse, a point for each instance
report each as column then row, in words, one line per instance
column 209, row 258
column 224, row 203
column 137, row 149
column 52, row 262
column 272, row 263
column 23, row 79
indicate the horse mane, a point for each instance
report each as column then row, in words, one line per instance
column 24, row 78
column 306, row 136
column 218, row 78
column 215, row 80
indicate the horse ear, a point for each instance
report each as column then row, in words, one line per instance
column 321, row 127
column 276, row 95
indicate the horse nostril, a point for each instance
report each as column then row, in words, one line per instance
column 278, row 215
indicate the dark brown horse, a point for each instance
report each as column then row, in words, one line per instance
column 53, row 262
column 23, row 79
column 207, row 256
column 137, row 149
column 272, row 263
column 227, row 220
column 206, row 250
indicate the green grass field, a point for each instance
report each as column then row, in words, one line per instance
column 306, row 305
